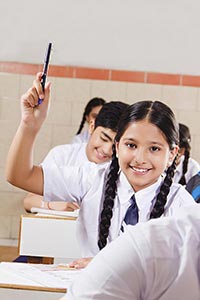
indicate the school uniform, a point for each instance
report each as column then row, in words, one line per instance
column 193, row 187
column 157, row 260
column 85, row 184
column 82, row 137
column 68, row 154
column 193, row 168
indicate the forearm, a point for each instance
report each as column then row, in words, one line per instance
column 33, row 200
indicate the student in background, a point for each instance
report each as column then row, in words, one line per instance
column 98, row 150
column 193, row 187
column 155, row 260
column 90, row 113
column 146, row 144
column 186, row 166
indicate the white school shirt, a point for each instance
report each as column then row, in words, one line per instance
column 157, row 260
column 193, row 169
column 82, row 137
column 66, row 155
column 85, row 184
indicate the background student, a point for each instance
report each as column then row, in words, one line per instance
column 193, row 187
column 90, row 113
column 147, row 145
column 155, row 260
column 98, row 150
column 186, row 166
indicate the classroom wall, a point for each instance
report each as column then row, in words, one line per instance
column 142, row 35
column 71, row 90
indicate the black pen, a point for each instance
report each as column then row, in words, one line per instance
column 45, row 69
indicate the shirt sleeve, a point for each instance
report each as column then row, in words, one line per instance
column 70, row 183
column 115, row 273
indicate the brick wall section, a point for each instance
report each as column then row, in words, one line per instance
column 103, row 74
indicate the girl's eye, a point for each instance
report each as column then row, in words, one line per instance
column 130, row 145
column 154, row 149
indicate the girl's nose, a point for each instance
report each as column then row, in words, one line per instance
column 140, row 156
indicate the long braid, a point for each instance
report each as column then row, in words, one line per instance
column 185, row 167
column 184, row 143
column 161, row 200
column 110, row 192
column 82, row 123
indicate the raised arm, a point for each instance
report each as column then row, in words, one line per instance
column 20, row 170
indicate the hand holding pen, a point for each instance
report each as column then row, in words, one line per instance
column 33, row 115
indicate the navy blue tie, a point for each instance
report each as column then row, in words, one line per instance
column 131, row 216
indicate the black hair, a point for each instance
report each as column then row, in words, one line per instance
column 94, row 102
column 160, row 115
column 108, row 117
column 184, row 142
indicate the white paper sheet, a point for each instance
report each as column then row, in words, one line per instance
column 56, row 276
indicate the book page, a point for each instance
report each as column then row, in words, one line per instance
column 42, row 211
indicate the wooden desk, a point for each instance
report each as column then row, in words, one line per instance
column 25, row 293
column 44, row 238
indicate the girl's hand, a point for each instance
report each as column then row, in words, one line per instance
column 80, row 263
column 33, row 115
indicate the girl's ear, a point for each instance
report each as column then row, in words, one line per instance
column 172, row 155
column 117, row 148
column 91, row 127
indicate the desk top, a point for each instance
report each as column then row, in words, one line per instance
column 54, row 278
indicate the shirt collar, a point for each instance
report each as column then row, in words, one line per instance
column 146, row 197
column 125, row 191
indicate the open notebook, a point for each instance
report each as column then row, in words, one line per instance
column 51, row 212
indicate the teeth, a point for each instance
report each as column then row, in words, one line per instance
column 139, row 170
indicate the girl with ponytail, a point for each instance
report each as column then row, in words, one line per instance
column 186, row 166
column 89, row 115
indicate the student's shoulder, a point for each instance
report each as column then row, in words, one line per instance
column 194, row 163
column 67, row 148
column 179, row 193
column 94, row 167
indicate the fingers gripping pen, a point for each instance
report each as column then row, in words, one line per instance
column 45, row 69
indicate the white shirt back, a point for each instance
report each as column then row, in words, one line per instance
column 157, row 260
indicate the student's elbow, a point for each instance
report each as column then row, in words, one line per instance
column 10, row 177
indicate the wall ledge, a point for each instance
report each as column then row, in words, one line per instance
column 102, row 74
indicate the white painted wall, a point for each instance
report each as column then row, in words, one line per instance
column 148, row 35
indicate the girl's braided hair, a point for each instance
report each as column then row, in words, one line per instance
column 161, row 116
column 184, row 142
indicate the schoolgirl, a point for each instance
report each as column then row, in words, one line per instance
column 90, row 113
column 186, row 165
